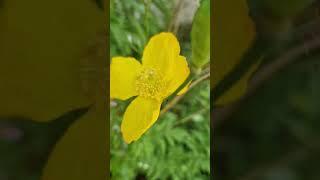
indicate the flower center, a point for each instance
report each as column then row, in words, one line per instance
column 150, row 84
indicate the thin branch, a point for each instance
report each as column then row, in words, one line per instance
column 172, row 25
column 189, row 118
column 266, row 73
column 269, row 70
column 206, row 69
column 178, row 98
column 201, row 78
column 171, row 104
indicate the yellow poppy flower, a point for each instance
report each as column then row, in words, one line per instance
column 161, row 73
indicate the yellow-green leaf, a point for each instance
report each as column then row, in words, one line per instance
column 233, row 34
column 200, row 35
column 53, row 61
column 42, row 47
column 238, row 89
column 82, row 152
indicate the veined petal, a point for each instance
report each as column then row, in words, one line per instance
column 161, row 52
column 180, row 74
column 138, row 118
column 123, row 72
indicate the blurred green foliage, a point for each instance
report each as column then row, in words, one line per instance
column 273, row 134
column 276, row 131
column 133, row 22
column 178, row 145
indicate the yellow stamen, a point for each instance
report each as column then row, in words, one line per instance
column 150, row 84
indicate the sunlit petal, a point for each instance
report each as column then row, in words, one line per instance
column 181, row 73
column 123, row 73
column 140, row 115
column 161, row 52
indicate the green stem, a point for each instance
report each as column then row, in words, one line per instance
column 176, row 99
column 189, row 118
column 146, row 15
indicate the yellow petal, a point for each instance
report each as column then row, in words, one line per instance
column 184, row 89
column 161, row 52
column 139, row 117
column 180, row 74
column 123, row 72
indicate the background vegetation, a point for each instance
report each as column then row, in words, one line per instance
column 272, row 131
column 177, row 146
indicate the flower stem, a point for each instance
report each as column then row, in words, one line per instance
column 176, row 99
column 189, row 118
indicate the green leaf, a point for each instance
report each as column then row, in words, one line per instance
column 46, row 50
column 234, row 33
column 77, row 156
column 200, row 35
column 44, row 53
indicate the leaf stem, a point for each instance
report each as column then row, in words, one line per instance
column 176, row 99
column 189, row 118
column 172, row 27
